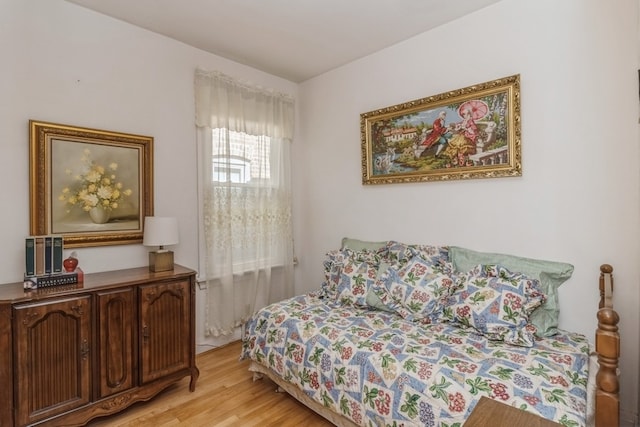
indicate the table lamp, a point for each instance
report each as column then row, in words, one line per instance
column 161, row 232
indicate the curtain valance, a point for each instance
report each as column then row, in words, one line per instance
column 221, row 102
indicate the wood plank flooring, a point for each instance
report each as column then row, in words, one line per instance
column 225, row 395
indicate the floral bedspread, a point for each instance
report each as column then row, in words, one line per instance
column 376, row 368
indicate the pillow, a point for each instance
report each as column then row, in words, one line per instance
column 400, row 253
column 334, row 264
column 416, row 291
column 550, row 274
column 497, row 304
column 372, row 299
column 359, row 245
column 356, row 277
column 371, row 252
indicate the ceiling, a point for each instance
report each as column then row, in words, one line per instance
column 292, row 39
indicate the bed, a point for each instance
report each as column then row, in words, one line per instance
column 415, row 335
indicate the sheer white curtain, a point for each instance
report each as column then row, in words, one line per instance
column 244, row 137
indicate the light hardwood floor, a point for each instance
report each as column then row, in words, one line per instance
column 225, row 395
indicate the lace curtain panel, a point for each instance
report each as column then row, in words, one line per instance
column 244, row 137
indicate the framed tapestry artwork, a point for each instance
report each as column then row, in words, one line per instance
column 93, row 187
column 473, row 132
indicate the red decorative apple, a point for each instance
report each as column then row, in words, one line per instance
column 70, row 264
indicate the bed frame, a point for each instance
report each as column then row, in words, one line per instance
column 607, row 404
column 608, row 349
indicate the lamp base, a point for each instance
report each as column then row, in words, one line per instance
column 160, row 261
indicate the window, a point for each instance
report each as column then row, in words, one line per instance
column 245, row 185
column 244, row 136
column 231, row 169
column 240, row 158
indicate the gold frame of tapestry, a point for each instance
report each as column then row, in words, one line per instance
column 371, row 124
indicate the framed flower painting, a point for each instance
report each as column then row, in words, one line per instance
column 472, row 132
column 93, row 187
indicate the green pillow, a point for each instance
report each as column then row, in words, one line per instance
column 551, row 275
column 372, row 299
column 361, row 245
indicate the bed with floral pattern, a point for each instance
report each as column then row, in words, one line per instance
column 415, row 335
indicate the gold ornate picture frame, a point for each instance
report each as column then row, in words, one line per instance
column 93, row 187
column 473, row 132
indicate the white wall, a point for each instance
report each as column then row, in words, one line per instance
column 65, row 64
column 578, row 198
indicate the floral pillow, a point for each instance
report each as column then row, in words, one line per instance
column 497, row 304
column 551, row 274
column 417, row 291
column 334, row 262
column 355, row 279
column 400, row 253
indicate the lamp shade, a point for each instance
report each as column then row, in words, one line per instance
column 160, row 231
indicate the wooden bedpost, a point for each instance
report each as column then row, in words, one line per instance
column 608, row 349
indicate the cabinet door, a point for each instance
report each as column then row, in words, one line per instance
column 164, row 329
column 52, row 342
column 115, row 338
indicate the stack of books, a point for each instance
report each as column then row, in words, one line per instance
column 43, row 262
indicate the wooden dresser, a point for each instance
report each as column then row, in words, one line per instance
column 75, row 352
column 491, row 413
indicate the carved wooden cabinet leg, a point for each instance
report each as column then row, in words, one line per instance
column 195, row 374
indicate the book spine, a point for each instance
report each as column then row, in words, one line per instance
column 55, row 280
column 57, row 254
column 39, row 255
column 48, row 255
column 30, row 256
